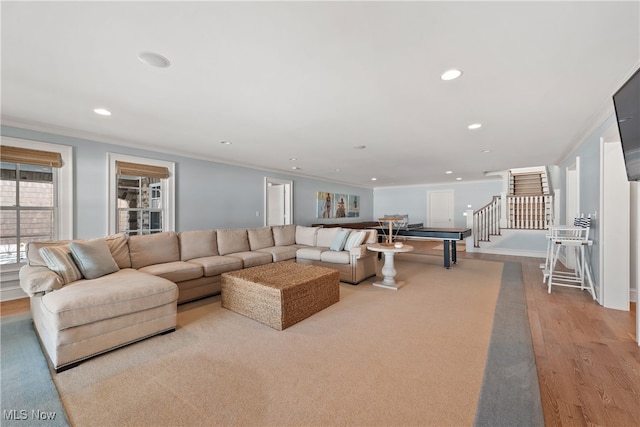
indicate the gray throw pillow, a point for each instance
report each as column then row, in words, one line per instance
column 93, row 258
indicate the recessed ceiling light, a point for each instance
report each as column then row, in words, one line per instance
column 102, row 111
column 337, row 169
column 458, row 179
column 486, row 151
column 225, row 143
column 153, row 59
column 292, row 158
column 451, row 74
column 295, row 168
column 449, row 172
column 475, row 126
column 360, row 147
column 374, row 179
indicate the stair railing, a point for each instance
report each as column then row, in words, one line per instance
column 530, row 212
column 486, row 222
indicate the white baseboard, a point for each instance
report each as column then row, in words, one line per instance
column 11, row 293
column 633, row 295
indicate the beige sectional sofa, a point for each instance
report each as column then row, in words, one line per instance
column 89, row 297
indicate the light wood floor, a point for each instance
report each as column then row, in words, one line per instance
column 587, row 358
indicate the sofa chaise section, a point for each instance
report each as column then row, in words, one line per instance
column 77, row 322
column 77, row 318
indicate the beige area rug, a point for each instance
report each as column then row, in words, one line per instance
column 377, row 358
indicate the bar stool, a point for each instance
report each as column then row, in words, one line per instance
column 571, row 238
column 555, row 230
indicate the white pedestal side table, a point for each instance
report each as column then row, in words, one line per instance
column 389, row 268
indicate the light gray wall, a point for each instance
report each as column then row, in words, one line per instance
column 208, row 194
column 413, row 200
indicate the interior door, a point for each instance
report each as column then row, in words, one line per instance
column 440, row 209
column 278, row 201
column 275, row 215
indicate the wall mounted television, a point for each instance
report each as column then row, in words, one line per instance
column 627, row 105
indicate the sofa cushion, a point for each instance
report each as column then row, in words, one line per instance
column 355, row 239
column 325, row 236
column 176, row 271
column 260, row 238
column 306, row 235
column 284, row 235
column 231, row 241
column 312, row 253
column 335, row 257
column 280, row 253
column 340, row 240
column 214, row 265
column 58, row 259
column 119, row 247
column 197, row 244
column 123, row 292
column 252, row 259
column 149, row 249
column 93, row 258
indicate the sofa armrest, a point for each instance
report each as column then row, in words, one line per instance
column 359, row 251
column 38, row 280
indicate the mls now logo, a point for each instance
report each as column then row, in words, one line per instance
column 15, row 414
column 23, row 414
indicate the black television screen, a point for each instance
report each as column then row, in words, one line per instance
column 627, row 104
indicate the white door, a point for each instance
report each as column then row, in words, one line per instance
column 276, row 205
column 278, row 201
column 440, row 209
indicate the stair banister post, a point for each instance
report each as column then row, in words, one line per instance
column 504, row 218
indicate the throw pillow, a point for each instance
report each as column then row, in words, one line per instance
column 93, row 258
column 340, row 240
column 355, row 239
column 59, row 260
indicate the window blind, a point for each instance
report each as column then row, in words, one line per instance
column 137, row 169
column 29, row 156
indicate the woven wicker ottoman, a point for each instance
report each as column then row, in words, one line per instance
column 280, row 294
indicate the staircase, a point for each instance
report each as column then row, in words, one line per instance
column 528, row 205
column 529, row 201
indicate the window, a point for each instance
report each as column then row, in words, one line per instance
column 141, row 195
column 35, row 197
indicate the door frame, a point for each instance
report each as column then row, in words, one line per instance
column 288, row 198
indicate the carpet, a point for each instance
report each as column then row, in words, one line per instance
column 29, row 397
column 415, row 356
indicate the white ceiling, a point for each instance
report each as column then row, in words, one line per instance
column 311, row 80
